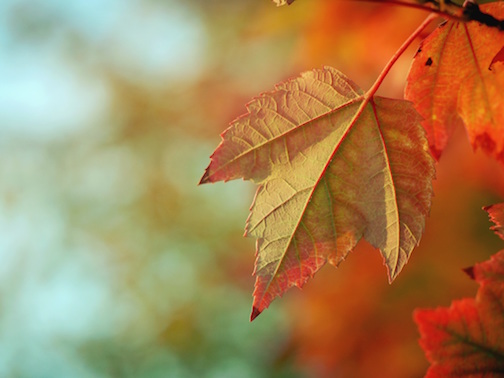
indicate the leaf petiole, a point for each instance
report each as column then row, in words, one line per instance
column 371, row 92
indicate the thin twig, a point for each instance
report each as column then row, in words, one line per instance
column 418, row 6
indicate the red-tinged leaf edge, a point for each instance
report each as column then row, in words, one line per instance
column 496, row 215
column 255, row 313
column 204, row 178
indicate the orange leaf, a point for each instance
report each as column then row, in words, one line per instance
column 452, row 79
column 333, row 166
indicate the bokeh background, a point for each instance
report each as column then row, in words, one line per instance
column 114, row 263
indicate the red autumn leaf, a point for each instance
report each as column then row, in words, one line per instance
column 467, row 339
column 453, row 79
column 332, row 166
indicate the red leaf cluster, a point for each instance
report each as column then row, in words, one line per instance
column 467, row 339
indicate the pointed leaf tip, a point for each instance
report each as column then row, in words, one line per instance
column 204, row 178
column 255, row 313
column 487, row 208
column 498, row 58
column 469, row 271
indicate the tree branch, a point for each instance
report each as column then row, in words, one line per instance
column 472, row 12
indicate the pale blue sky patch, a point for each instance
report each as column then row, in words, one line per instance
column 43, row 98
column 46, row 95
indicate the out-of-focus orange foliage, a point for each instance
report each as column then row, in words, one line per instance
column 348, row 325
column 360, row 37
column 357, row 38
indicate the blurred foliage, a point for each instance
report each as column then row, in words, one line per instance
column 115, row 264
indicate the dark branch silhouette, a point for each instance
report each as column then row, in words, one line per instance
column 472, row 12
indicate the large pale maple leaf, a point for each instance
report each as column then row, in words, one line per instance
column 454, row 80
column 467, row 339
column 333, row 165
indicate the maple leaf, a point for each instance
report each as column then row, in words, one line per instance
column 454, row 79
column 467, row 339
column 333, row 165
